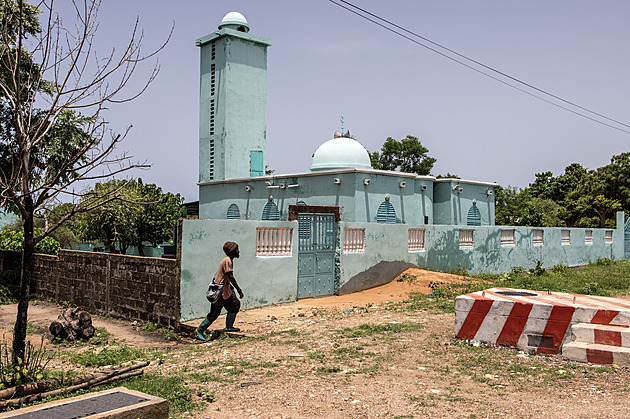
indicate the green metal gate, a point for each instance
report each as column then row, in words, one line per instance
column 626, row 245
column 316, row 254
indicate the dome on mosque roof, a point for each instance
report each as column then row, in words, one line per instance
column 341, row 153
column 235, row 20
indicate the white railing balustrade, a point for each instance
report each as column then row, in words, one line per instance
column 272, row 241
column 566, row 237
column 416, row 239
column 466, row 239
column 353, row 240
column 507, row 238
column 608, row 238
column 588, row 237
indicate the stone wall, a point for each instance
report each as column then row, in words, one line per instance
column 130, row 287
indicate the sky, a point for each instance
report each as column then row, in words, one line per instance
column 326, row 63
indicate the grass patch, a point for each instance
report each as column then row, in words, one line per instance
column 365, row 330
column 111, row 356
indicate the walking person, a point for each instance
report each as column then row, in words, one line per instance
column 228, row 299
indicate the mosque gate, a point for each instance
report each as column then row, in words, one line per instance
column 317, row 236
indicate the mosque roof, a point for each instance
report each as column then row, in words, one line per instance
column 341, row 153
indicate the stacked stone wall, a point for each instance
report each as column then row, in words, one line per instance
column 130, row 287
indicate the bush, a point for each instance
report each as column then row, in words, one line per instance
column 14, row 240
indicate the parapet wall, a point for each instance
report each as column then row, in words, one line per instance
column 129, row 287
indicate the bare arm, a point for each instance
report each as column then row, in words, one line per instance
column 232, row 280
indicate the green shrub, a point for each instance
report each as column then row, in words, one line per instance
column 14, row 240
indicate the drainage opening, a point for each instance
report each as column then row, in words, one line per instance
column 518, row 293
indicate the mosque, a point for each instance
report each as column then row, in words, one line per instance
column 232, row 142
column 341, row 226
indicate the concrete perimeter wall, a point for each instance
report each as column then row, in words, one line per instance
column 389, row 242
column 264, row 279
column 130, row 287
column 273, row 279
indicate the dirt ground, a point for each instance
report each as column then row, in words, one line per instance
column 365, row 355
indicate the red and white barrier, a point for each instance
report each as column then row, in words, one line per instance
column 533, row 321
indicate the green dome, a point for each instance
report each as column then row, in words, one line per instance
column 236, row 21
column 341, row 153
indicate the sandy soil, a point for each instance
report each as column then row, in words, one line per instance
column 367, row 355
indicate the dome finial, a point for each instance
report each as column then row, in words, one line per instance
column 236, row 21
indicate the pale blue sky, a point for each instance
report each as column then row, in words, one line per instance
column 326, row 62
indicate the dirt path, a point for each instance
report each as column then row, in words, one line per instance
column 41, row 314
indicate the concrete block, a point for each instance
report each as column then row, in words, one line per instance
column 116, row 403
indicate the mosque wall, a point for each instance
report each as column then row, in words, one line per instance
column 454, row 199
column 264, row 279
column 348, row 190
column 273, row 279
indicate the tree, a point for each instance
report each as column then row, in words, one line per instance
column 45, row 152
column 407, row 155
column 143, row 214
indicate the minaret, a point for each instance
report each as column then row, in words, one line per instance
column 233, row 101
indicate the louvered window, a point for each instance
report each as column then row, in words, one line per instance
column 233, row 213
column 565, row 236
column 474, row 216
column 386, row 213
column 538, row 238
column 270, row 212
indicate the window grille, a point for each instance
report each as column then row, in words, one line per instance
column 270, row 212
column 566, row 236
column 386, row 213
column 608, row 238
column 273, row 241
column 233, row 212
column 507, row 238
column 416, row 239
column 354, row 240
column 588, row 237
column 304, row 226
column 474, row 216
column 538, row 238
column 466, row 239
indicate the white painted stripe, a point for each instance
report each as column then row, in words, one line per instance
column 494, row 321
column 535, row 325
column 463, row 304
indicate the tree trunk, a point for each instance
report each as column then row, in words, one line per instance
column 26, row 280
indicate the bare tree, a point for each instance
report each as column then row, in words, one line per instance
column 54, row 89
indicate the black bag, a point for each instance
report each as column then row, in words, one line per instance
column 214, row 292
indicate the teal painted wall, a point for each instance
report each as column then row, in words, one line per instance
column 264, row 280
column 451, row 207
column 273, row 279
column 358, row 202
column 232, row 110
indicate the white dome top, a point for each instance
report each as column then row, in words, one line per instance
column 234, row 20
column 341, row 153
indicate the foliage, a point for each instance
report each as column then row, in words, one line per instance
column 111, row 356
column 44, row 152
column 14, row 240
column 144, row 214
column 29, row 369
column 9, row 286
column 577, row 198
column 407, row 155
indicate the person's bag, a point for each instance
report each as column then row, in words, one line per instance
column 214, row 292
